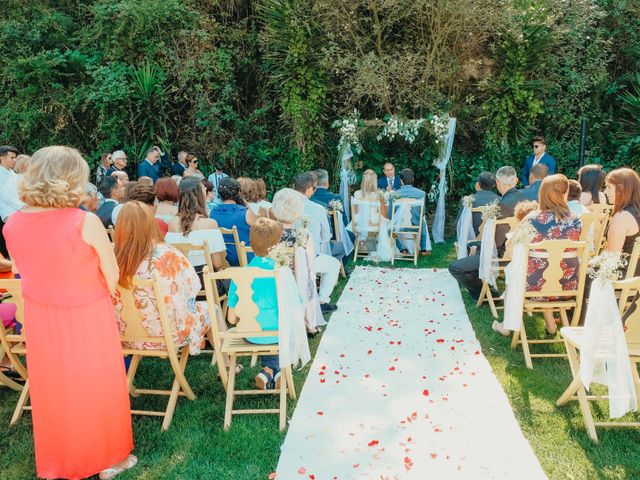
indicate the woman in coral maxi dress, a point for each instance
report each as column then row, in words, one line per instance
column 79, row 395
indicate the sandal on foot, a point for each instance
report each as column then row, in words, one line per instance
column 126, row 464
column 11, row 374
column 264, row 380
column 276, row 381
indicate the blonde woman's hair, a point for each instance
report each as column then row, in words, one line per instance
column 56, row 177
column 369, row 182
column 22, row 163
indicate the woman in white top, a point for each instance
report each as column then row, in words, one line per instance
column 591, row 179
column 167, row 196
column 365, row 225
column 261, row 194
column 192, row 167
column 192, row 225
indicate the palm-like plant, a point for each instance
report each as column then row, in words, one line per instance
column 629, row 134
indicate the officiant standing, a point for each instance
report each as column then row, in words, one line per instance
column 539, row 155
column 390, row 181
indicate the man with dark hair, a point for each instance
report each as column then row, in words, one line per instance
column 538, row 173
column 113, row 192
column 153, row 163
column 485, row 183
column 326, row 266
column 9, row 199
column 215, row 178
column 539, row 155
column 573, row 199
column 466, row 270
column 407, row 190
column 390, row 181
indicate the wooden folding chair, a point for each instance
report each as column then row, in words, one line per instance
column 135, row 333
column 364, row 231
column 485, row 292
column 553, row 251
column 480, row 229
column 243, row 254
column 235, row 238
column 336, row 235
column 573, row 337
column 405, row 230
column 233, row 343
column 11, row 343
column 603, row 213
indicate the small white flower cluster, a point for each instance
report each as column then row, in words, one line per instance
column 468, row 201
column 523, row 234
column 282, row 254
column 440, row 127
column 608, row 266
column 335, row 205
column 434, row 192
column 491, row 210
column 349, row 131
column 407, row 129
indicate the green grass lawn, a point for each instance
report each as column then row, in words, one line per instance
column 196, row 446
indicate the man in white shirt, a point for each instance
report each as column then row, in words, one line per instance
column 215, row 178
column 9, row 200
column 326, row 266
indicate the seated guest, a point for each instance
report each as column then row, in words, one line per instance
column 141, row 253
column 372, row 232
column 191, row 225
column 326, row 266
column 265, row 233
column 9, row 198
column 153, row 163
column 323, row 195
column 485, row 183
column 113, row 192
column 209, row 195
column 466, row 270
column 121, row 176
column 22, row 163
column 180, row 166
column 261, row 189
column 145, row 181
column 118, row 162
column 407, row 190
column 590, row 178
column 552, row 221
column 145, row 194
column 249, row 192
column 573, row 199
column 167, row 195
column 106, row 161
column 370, row 192
column 390, row 181
column 90, row 202
column 192, row 167
column 233, row 212
column 537, row 173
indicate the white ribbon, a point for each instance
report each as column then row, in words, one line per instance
column 488, row 270
column 365, row 211
column 306, row 280
column 438, row 222
column 604, row 357
column 347, row 244
column 516, row 281
column 346, row 178
column 292, row 336
column 465, row 232
column 402, row 217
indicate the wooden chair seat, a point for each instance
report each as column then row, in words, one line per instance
column 240, row 346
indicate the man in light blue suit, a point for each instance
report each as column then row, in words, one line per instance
column 407, row 190
column 539, row 155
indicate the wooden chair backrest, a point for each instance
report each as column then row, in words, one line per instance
column 554, row 251
column 186, row 248
column 629, row 305
column 111, row 234
column 233, row 231
column 413, row 203
column 134, row 330
column 600, row 208
column 374, row 215
column 336, row 224
column 511, row 222
column 246, row 310
column 633, row 260
column 243, row 257
column 484, row 220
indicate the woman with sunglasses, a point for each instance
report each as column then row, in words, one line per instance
column 192, row 167
column 539, row 155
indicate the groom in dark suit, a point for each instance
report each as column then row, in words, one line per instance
column 390, row 181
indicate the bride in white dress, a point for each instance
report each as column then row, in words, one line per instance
column 371, row 219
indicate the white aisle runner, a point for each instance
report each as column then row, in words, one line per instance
column 399, row 389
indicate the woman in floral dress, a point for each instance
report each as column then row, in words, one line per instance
column 553, row 221
column 141, row 253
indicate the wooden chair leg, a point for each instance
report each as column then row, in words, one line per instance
column 254, row 360
column 514, row 339
column 283, row 402
column 230, row 392
column 355, row 249
column 492, row 304
column 179, row 384
column 525, row 347
column 564, row 318
column 131, row 374
column 292, row 386
column 7, row 382
column 393, row 248
column 483, row 294
column 636, row 380
column 22, row 401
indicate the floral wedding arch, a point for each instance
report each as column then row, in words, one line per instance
column 443, row 128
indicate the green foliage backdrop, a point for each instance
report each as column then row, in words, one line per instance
column 259, row 82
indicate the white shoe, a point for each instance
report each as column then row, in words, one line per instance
column 497, row 327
